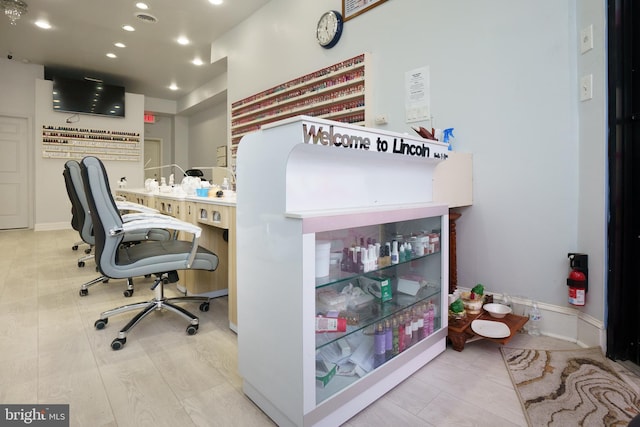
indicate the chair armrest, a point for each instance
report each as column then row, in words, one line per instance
column 144, row 221
column 123, row 205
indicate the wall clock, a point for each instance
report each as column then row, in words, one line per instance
column 329, row 29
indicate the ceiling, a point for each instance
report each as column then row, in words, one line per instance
column 83, row 31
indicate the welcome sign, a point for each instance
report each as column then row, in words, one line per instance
column 350, row 137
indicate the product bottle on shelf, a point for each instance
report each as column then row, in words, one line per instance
column 388, row 340
column 379, row 346
column 431, row 318
column 420, row 317
column 407, row 330
column 395, row 256
column 401, row 334
column 425, row 320
column 395, row 335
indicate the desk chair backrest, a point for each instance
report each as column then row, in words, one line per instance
column 104, row 214
column 80, row 220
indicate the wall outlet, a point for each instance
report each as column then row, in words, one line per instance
column 381, row 119
column 586, row 39
column 586, row 87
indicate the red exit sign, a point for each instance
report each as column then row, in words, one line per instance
column 149, row 118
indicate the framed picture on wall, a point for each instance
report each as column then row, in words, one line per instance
column 353, row 8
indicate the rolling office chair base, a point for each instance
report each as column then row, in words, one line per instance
column 81, row 260
column 84, row 289
column 159, row 302
column 77, row 245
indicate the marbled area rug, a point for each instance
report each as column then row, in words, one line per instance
column 570, row 388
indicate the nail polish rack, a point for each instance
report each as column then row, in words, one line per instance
column 338, row 92
column 64, row 142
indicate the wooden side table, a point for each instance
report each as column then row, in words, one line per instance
column 459, row 330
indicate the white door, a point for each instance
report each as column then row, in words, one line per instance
column 152, row 158
column 13, row 173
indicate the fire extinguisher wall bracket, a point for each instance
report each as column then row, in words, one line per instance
column 580, row 263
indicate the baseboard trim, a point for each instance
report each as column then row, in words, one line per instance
column 52, row 226
column 565, row 323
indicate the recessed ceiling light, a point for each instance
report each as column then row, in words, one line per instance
column 173, row 86
column 216, row 2
column 111, row 55
column 142, row 6
column 197, row 61
column 183, row 40
column 128, row 28
column 43, row 24
column 118, row 44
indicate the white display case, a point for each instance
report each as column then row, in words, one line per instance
column 304, row 181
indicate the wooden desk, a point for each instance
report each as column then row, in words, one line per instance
column 217, row 218
column 459, row 330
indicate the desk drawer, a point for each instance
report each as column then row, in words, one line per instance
column 174, row 208
column 216, row 215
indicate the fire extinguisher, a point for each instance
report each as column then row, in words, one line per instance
column 577, row 281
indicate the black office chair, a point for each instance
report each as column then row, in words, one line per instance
column 81, row 222
column 160, row 258
column 78, row 209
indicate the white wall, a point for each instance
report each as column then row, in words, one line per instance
column 52, row 206
column 207, row 131
column 162, row 129
column 504, row 74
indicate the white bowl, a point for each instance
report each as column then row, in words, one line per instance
column 497, row 310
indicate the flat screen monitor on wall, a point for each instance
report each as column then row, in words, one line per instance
column 87, row 97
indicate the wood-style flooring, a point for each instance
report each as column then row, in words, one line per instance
column 50, row 352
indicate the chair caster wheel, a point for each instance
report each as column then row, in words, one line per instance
column 87, row 251
column 128, row 293
column 84, row 292
column 204, row 306
column 101, row 323
column 192, row 329
column 74, row 247
column 118, row 343
column 80, row 263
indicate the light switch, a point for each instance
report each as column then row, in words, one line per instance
column 586, row 39
column 586, row 87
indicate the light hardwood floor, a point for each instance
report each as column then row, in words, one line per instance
column 50, row 352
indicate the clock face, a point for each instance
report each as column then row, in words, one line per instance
column 329, row 29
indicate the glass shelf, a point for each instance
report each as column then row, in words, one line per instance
column 376, row 312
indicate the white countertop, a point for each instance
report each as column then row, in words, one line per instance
column 227, row 201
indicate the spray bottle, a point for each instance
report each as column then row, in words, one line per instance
column 447, row 136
